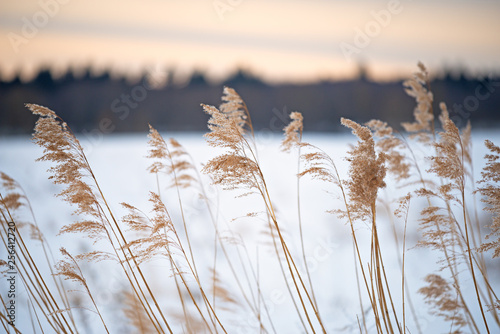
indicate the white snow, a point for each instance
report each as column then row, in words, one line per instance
column 119, row 164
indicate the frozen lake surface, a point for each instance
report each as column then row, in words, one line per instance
column 120, row 165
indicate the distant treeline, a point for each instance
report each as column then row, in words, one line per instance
column 103, row 103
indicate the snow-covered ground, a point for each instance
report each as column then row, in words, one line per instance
column 120, row 165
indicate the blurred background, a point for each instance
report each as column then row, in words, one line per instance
column 114, row 66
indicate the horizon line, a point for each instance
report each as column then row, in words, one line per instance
column 177, row 75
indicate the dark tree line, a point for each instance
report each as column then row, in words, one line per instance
column 88, row 102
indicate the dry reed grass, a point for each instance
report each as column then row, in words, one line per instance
column 206, row 299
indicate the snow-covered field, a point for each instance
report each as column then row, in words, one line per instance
column 120, row 165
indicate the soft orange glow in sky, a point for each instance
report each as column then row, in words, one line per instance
column 278, row 39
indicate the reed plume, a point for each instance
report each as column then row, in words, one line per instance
column 135, row 314
column 392, row 146
column 293, row 132
column 444, row 303
column 70, row 270
column 418, row 87
column 153, row 235
column 171, row 159
column 366, row 171
column 490, row 191
column 237, row 168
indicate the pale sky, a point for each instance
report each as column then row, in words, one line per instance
column 277, row 39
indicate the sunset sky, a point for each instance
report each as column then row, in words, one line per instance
column 277, row 39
